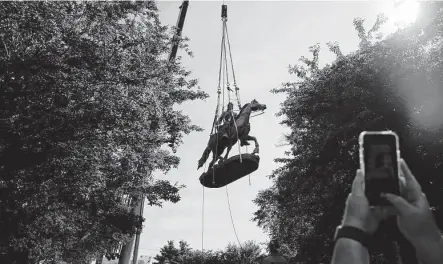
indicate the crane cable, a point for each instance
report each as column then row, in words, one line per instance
column 232, row 219
column 224, row 51
column 223, row 71
column 214, row 127
column 203, row 221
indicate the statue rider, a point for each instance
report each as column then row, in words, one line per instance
column 226, row 119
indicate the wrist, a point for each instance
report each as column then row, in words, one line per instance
column 352, row 233
column 356, row 224
column 349, row 251
column 429, row 249
column 349, row 242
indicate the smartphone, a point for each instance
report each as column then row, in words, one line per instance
column 380, row 162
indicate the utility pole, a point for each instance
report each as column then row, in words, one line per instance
column 125, row 254
column 137, row 236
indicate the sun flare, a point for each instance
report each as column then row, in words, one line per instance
column 401, row 14
column 406, row 12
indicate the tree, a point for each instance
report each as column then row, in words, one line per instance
column 394, row 84
column 168, row 252
column 183, row 254
column 87, row 100
column 248, row 253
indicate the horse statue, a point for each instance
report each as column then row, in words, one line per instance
column 237, row 130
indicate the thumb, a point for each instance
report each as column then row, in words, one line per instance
column 401, row 205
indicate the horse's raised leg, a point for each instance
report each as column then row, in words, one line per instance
column 248, row 138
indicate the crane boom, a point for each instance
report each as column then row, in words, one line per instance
column 179, row 28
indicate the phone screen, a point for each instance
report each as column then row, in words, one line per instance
column 381, row 167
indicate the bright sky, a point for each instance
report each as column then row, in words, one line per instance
column 265, row 38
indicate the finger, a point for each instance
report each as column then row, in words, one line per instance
column 357, row 185
column 402, row 207
column 348, row 199
column 402, row 182
column 412, row 186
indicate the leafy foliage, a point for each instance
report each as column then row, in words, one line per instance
column 391, row 84
column 248, row 253
column 87, row 112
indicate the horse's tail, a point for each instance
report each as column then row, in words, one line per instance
column 204, row 157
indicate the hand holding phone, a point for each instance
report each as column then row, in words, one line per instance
column 379, row 160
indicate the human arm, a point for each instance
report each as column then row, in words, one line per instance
column 415, row 219
column 360, row 216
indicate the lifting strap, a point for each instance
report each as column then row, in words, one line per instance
column 223, row 75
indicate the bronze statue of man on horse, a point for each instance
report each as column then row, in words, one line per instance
column 234, row 128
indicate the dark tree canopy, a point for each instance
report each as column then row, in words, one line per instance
column 87, row 100
column 391, row 84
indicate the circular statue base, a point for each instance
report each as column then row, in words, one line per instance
column 230, row 170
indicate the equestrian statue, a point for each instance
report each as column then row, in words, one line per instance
column 234, row 128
